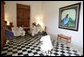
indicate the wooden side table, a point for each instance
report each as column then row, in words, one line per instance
column 61, row 36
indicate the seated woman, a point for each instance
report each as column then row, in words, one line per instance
column 21, row 30
column 39, row 29
column 34, row 32
column 44, row 32
column 9, row 33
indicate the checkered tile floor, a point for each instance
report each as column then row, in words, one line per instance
column 29, row 46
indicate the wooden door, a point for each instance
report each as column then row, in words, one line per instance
column 19, row 17
column 23, row 15
column 3, row 38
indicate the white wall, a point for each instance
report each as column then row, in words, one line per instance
column 51, row 18
column 11, row 10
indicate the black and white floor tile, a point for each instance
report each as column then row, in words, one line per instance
column 30, row 46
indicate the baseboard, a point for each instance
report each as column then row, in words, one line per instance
column 80, row 49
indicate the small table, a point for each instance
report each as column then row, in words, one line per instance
column 59, row 36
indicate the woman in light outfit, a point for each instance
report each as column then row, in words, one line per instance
column 21, row 31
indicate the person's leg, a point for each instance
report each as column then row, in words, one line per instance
column 44, row 33
column 33, row 33
column 10, row 35
column 39, row 34
column 7, row 40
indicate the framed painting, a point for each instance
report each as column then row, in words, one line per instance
column 69, row 17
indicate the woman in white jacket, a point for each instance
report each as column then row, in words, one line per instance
column 21, row 31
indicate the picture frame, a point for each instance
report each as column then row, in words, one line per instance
column 69, row 17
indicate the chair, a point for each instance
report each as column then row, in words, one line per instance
column 46, row 44
column 18, row 31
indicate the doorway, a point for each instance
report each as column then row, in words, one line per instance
column 23, row 15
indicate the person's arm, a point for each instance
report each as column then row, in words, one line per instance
column 7, row 29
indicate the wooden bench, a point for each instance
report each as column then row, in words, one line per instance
column 61, row 36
